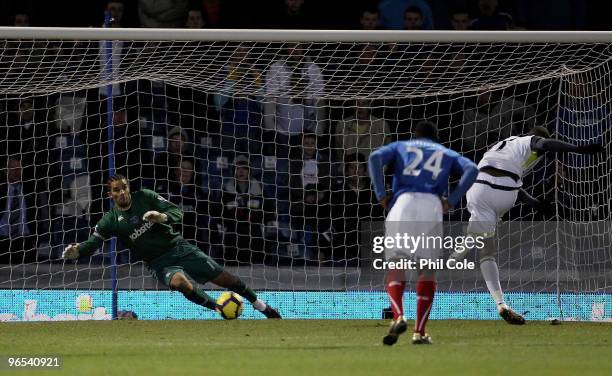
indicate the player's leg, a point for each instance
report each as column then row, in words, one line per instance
column 234, row 283
column 168, row 271
column 174, row 277
column 395, row 223
column 486, row 205
column 395, row 286
column 425, row 291
column 179, row 282
column 490, row 273
column 414, row 215
column 204, row 269
column 490, row 270
column 483, row 222
column 430, row 226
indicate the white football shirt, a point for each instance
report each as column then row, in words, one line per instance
column 513, row 154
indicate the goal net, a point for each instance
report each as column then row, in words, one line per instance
column 262, row 139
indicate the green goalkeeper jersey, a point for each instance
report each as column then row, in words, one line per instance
column 149, row 240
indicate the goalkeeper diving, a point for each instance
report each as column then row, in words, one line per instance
column 143, row 222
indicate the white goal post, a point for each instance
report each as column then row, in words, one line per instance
column 301, row 111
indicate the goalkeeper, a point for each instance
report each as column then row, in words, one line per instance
column 142, row 221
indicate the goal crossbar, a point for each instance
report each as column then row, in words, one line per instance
column 270, row 35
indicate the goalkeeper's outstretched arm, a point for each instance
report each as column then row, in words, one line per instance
column 103, row 231
column 88, row 247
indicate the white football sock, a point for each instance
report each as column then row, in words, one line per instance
column 490, row 272
column 259, row 305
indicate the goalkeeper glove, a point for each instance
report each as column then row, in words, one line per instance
column 590, row 149
column 155, row 217
column 71, row 252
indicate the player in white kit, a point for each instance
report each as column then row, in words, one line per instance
column 496, row 190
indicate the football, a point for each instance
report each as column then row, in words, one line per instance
column 229, row 305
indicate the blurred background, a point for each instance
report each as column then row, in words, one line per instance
column 316, row 14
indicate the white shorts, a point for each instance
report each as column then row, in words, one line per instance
column 487, row 204
column 415, row 214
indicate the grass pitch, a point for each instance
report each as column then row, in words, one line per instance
column 292, row 347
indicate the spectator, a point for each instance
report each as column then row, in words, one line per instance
column 195, row 20
column 361, row 132
column 370, row 19
column 162, row 13
column 351, row 203
column 70, row 112
column 366, row 59
column 293, row 15
column 492, row 118
column 153, row 93
column 65, row 138
column 309, row 181
column 240, row 115
column 21, row 20
column 214, row 11
column 553, row 14
column 116, row 9
column 23, row 133
column 68, row 169
column 393, row 13
column 26, row 137
column 131, row 154
column 244, row 212
column 460, row 20
column 179, row 147
column 365, row 71
column 292, row 105
column 413, row 18
column 491, row 18
column 21, row 59
column 584, row 116
column 185, row 190
column 19, row 216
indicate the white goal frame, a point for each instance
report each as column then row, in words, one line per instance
column 271, row 35
column 327, row 36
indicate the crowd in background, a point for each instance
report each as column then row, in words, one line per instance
column 265, row 178
column 316, row 14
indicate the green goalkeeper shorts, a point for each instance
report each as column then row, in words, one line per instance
column 187, row 259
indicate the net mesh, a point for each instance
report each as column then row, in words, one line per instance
column 583, row 182
column 364, row 70
column 264, row 147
